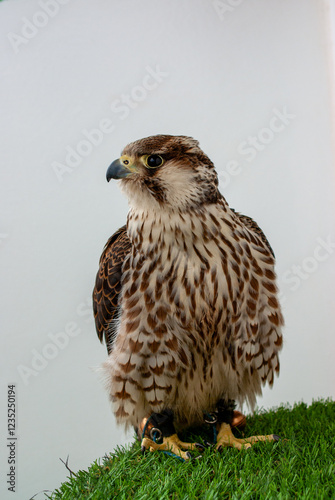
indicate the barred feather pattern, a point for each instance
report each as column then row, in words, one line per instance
column 199, row 319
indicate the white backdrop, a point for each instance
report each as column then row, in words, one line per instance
column 252, row 81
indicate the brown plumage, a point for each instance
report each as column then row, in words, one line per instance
column 185, row 295
column 108, row 284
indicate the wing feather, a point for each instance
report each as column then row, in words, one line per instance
column 108, row 285
column 253, row 226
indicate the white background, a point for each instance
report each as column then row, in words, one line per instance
column 226, row 73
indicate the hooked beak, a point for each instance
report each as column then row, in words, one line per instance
column 120, row 168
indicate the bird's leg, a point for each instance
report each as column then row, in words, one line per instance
column 226, row 438
column 159, row 426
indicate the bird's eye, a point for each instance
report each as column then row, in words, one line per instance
column 154, row 161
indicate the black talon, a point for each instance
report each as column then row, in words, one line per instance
column 275, row 437
column 143, row 448
column 208, row 444
column 188, row 454
column 219, row 449
column 200, row 446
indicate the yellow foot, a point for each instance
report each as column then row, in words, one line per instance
column 226, row 438
column 172, row 444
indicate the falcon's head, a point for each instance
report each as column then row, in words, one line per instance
column 168, row 170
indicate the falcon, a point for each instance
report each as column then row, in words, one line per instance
column 186, row 299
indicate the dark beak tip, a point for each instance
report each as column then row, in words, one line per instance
column 117, row 170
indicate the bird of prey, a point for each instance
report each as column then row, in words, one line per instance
column 185, row 298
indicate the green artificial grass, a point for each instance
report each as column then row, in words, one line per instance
column 301, row 465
